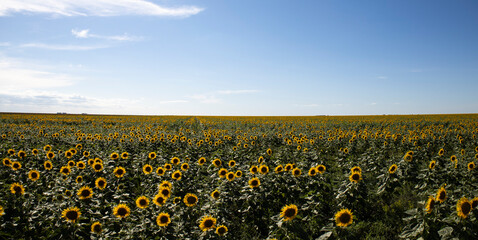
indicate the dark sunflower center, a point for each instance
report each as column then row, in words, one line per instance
column 432, row 165
column 221, row 230
column 208, row 223
column 321, row 169
column 81, row 165
column 85, row 193
column 296, row 172
column 345, row 218
column 17, row 189
column 119, row 171
column 176, row 175
column 165, row 192
column 222, row 173
column 442, row 195
column 122, row 211
column 191, row 200
column 393, row 169
column 471, row 166
column 239, row 174
column 289, row 212
column 50, row 155
column 432, row 204
column 65, row 170
column 97, row 166
column 164, row 219
column 48, row 165
column 474, row 204
column 148, row 169
column 254, row 183
column 101, row 183
column 97, row 228
column 356, row 177
column 160, row 171
column 142, row 202
column 34, row 175
column 216, row 194
column 15, row 165
column 201, row 161
column 72, row 215
column 466, row 208
column 230, row 176
column 312, row 171
column 254, row 169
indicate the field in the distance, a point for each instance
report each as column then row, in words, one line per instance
column 177, row 177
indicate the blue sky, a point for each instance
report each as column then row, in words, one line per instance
column 239, row 57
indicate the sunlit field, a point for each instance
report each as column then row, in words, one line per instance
column 179, row 177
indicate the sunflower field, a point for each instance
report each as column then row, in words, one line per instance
column 186, row 177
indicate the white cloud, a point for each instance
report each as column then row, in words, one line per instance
column 228, row 92
column 173, row 101
column 382, row 77
column 373, row 104
column 205, row 98
column 85, row 33
column 4, row 44
column 62, row 47
column 102, row 8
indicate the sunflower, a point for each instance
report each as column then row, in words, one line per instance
column 85, row 192
column 222, row 172
column 80, row 165
column 17, row 188
column 232, row 163
column 124, row 155
column 35, row 151
column 165, row 191
column 68, row 193
column 165, row 184
column 152, row 155
column 441, row 152
column 238, row 173
column 463, row 207
column 393, row 169
column 71, row 164
column 201, row 161
column 96, row 227
column 346, row 150
column 254, row 182
column 22, row 154
column 65, row 170
column 356, row 169
column 254, row 169
column 168, row 167
column 321, row 169
column 2, row 211
column 343, row 218
column 190, row 199
column 98, row 160
column 312, row 171
column 16, row 165
column 11, row 151
column 264, row 169
column 355, row 177
column 175, row 160
column 408, row 157
column 114, row 156
column 207, row 223
column 159, row 199
column 441, row 195
column 430, row 204
column 474, row 202
column 471, row 166
column 91, row 161
column 215, row 194
column 119, row 172
column 432, row 164
column 98, row 167
column 160, row 171
column 147, row 169
column 279, row 169
column 217, row 162
column 50, row 155
column 73, row 151
column 453, row 158
column 86, row 154
column 184, row 166
column 68, row 154
column 163, row 219
column 7, row 162
column 100, row 183
column 142, row 202
column 269, row 151
column 176, row 175
column 221, row 230
column 230, row 176
column 176, row 200
column 296, row 172
column 47, row 148
column 121, row 210
column 289, row 212
column 71, row 214
column 79, row 179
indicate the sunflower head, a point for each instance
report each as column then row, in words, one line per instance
column 175, row 160
column 296, row 172
column 207, row 223
column 202, row 161
column 71, row 214
column 238, row 173
column 289, row 166
column 17, row 189
column 232, row 163
column 430, row 204
column 16, row 165
column 165, row 184
column 65, row 170
column 163, row 219
column 269, row 151
column 142, row 202
column 190, row 200
column 230, row 176
column 114, row 156
column 441, row 152
column 119, row 172
column 441, row 195
column 124, row 155
column 22, row 154
column 453, row 158
column 168, row 167
column 474, row 203
column 96, row 227
column 7, row 162
column 217, row 162
column 343, row 218
column 152, row 155
column 147, row 169
column 312, row 171
column 165, row 191
column 254, row 169
column 215, row 194
column 355, row 177
column 121, row 211
column 100, row 183
column 85, row 193
column 159, row 199
column 432, row 164
column 321, row 169
column 471, row 166
column 176, row 175
column 254, row 182
column 79, row 179
column 222, row 172
column 80, row 165
column 184, row 166
column 221, row 230
column 50, row 155
column 289, row 212
column 34, row 175
column 160, row 171
column 356, row 169
column 279, row 169
column 463, row 207
column 263, row 169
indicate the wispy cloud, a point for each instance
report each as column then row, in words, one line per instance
column 85, row 33
column 173, row 101
column 205, row 98
column 62, row 47
column 228, row 92
column 102, row 8
column 4, row 44
column 382, row 77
